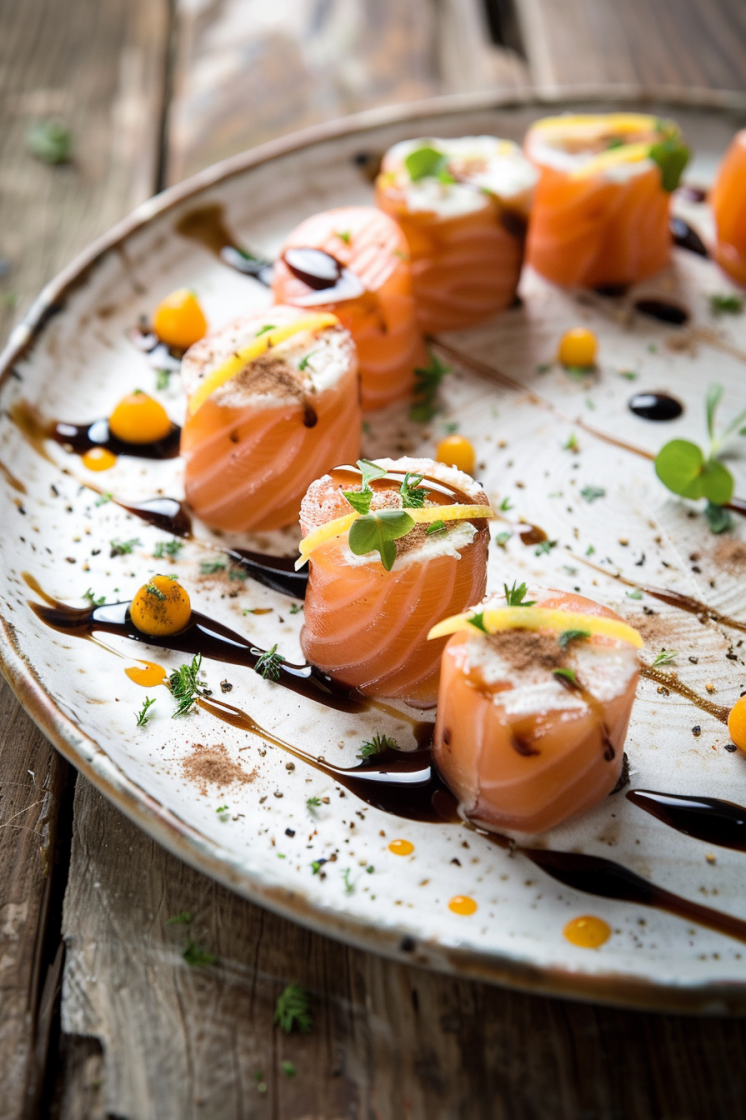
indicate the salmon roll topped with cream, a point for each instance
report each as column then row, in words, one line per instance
column 354, row 262
column 394, row 546
column 728, row 202
column 273, row 401
column 536, row 692
column 601, row 212
column 463, row 205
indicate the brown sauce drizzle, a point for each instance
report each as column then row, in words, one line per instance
column 12, row 480
column 687, row 238
column 206, row 225
column 663, row 311
column 79, row 438
column 669, row 681
column 596, row 709
column 706, row 818
column 168, row 514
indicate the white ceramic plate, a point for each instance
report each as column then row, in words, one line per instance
column 76, row 363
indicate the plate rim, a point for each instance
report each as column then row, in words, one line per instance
column 165, row 826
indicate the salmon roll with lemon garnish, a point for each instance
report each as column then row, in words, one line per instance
column 728, row 202
column 272, row 403
column 536, row 693
column 463, row 205
column 601, row 211
column 354, row 262
column 394, row 546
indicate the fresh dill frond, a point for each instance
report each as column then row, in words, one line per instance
column 142, row 715
column 379, row 744
column 269, row 663
column 427, row 384
column 515, row 595
column 293, row 1010
column 196, row 957
column 411, row 495
column 210, row 567
column 665, row 657
column 92, row 598
column 185, row 687
column 123, row 548
column 313, row 803
column 170, row 548
column 544, row 548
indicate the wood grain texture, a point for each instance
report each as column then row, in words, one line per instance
column 653, row 43
column 389, row 1041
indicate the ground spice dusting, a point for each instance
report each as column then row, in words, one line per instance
column 731, row 555
column 212, row 764
column 274, row 376
column 525, row 649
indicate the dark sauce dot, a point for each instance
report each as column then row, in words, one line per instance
column 314, row 267
column 310, row 418
column 515, row 224
column 612, row 291
column 687, row 238
column 693, row 194
column 655, row 406
column 83, row 437
column 663, row 311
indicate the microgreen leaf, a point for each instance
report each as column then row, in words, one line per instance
column 544, row 548
column 93, row 600
column 264, row 329
column 412, row 497
column 424, row 161
column 313, row 803
column 210, row 567
column 182, row 919
column 123, row 548
column 568, row 636
column 50, row 141
column 505, row 505
column 635, row 594
column 712, row 400
column 565, row 674
column 501, row 539
column 730, row 304
column 142, row 716
column 170, row 548
column 359, row 499
column 477, row 621
column 287, row 1068
column 681, row 466
column 672, row 157
column 296, row 608
column 719, row 520
column 377, row 532
column 515, row 595
column 436, row 527
column 426, row 387
column 665, row 657
column 303, row 363
column 293, row 1009
column 591, row 493
column 370, row 471
column 196, row 957
column 379, row 744
column 349, row 887
column 344, row 235
column 572, row 443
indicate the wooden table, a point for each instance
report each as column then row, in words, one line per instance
column 99, row 1013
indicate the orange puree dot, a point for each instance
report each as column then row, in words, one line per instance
column 587, row 932
column 179, row 320
column 99, row 459
column 737, row 723
column 148, row 677
column 462, row 904
column 139, row 418
column 161, row 607
column 578, row 347
column 456, row 451
column 401, row 847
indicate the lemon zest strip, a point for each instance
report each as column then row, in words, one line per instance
column 539, row 618
column 614, row 157
column 429, row 515
column 255, row 348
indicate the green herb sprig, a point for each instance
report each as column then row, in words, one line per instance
column 568, row 636
column 730, row 304
column 50, row 141
column 293, row 1010
column 142, row 715
column 185, row 688
column 428, row 380
column 360, row 499
column 196, row 957
column 665, row 657
column 412, row 495
column 515, row 596
column 89, row 595
column 170, row 548
column 269, row 663
column 123, row 548
column 379, row 744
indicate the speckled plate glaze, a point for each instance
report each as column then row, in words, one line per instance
column 72, row 358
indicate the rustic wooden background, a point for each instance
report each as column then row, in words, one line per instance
column 100, row 1016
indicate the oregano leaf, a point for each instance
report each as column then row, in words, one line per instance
column 376, row 532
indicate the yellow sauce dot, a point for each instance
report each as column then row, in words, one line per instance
column 587, row 932
column 401, row 847
column 148, row 677
column 578, row 348
column 737, row 723
column 139, row 418
column 462, row 904
column 179, row 320
column 161, row 607
column 456, row 451
column 99, row 459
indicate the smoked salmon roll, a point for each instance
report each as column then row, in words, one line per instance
column 394, row 546
column 355, row 262
column 728, row 201
column 533, row 708
column 272, row 403
column 463, row 205
column 601, row 211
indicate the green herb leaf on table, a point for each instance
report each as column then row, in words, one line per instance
column 379, row 744
column 170, row 548
column 544, row 548
column 293, row 1010
column 185, row 687
column 50, row 141
column 634, row 594
column 162, row 378
column 377, row 532
column 730, row 304
column 196, row 957
column 665, row 657
column 211, row 567
column 142, row 715
column 313, row 803
column 591, row 493
column 182, row 919
column 296, row 608
column 505, row 505
column 123, row 548
column 269, row 663
column 287, row 1068
column 349, row 887
column 572, row 443
column 568, row 636
column 425, row 161
column 515, row 596
column 427, row 384
column 713, row 396
column 92, row 598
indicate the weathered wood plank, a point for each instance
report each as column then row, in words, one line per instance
column 389, row 1041
column 98, row 65
column 247, row 72
column 653, row 43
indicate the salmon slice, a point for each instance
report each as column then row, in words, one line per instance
column 257, row 442
column 465, row 222
column 367, row 627
column 728, row 201
column 601, row 213
column 374, row 300
column 522, row 748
